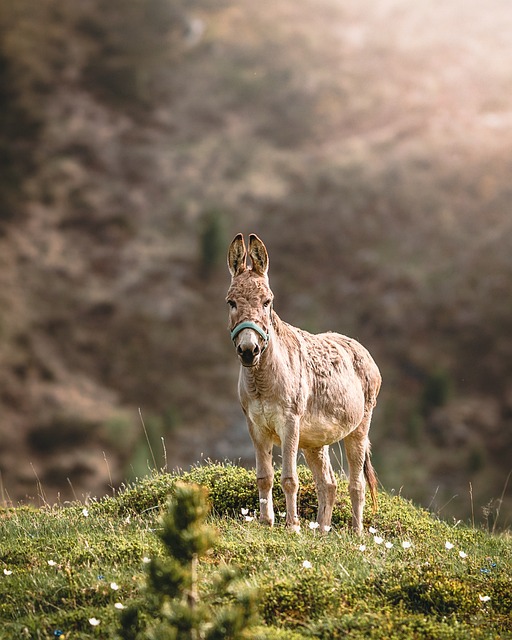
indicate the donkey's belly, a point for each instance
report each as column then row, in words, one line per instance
column 314, row 430
column 319, row 430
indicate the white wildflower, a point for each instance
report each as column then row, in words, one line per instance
column 362, row 547
column 244, row 512
column 378, row 539
column 52, row 563
column 388, row 545
column 249, row 518
column 448, row 545
column 327, row 528
column 146, row 560
column 372, row 530
column 406, row 544
column 282, row 514
column 7, row 572
column 85, row 513
column 119, row 605
column 484, row 598
column 313, row 525
column 307, row 564
column 114, row 586
column 94, row 622
column 463, row 554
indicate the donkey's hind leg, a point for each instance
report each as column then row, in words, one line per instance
column 319, row 462
column 357, row 447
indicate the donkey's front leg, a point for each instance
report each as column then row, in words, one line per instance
column 289, row 477
column 264, row 475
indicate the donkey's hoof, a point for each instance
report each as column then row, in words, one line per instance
column 267, row 522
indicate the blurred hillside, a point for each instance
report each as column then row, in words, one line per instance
column 368, row 144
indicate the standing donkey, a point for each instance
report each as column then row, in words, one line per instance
column 299, row 390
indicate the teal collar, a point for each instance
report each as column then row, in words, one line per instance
column 251, row 325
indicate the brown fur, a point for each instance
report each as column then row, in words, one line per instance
column 301, row 391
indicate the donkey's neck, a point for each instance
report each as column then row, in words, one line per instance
column 275, row 362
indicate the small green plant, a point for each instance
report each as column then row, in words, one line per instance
column 213, row 240
column 173, row 609
column 436, row 392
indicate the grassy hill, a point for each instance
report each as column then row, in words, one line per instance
column 410, row 576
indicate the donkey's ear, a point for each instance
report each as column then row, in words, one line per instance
column 237, row 255
column 258, row 254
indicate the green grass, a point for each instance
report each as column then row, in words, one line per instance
column 60, row 566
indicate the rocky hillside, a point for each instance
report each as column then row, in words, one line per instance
column 369, row 147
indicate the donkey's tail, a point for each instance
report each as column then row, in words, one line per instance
column 371, row 477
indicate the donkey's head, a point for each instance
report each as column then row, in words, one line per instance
column 249, row 299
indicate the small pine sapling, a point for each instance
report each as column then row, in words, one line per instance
column 172, row 609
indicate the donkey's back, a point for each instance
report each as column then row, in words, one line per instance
column 338, row 380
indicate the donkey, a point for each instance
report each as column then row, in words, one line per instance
column 299, row 390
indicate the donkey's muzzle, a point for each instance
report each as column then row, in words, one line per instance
column 249, row 355
column 252, row 342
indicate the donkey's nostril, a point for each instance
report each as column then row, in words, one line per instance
column 248, row 355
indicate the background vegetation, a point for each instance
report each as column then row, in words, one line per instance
column 367, row 144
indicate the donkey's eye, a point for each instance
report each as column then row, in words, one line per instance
column 232, row 304
column 267, row 303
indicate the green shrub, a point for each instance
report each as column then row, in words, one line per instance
column 392, row 625
column 434, row 591
column 501, row 596
column 230, row 488
column 293, row 600
column 144, row 495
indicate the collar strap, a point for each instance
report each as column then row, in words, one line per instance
column 251, row 325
